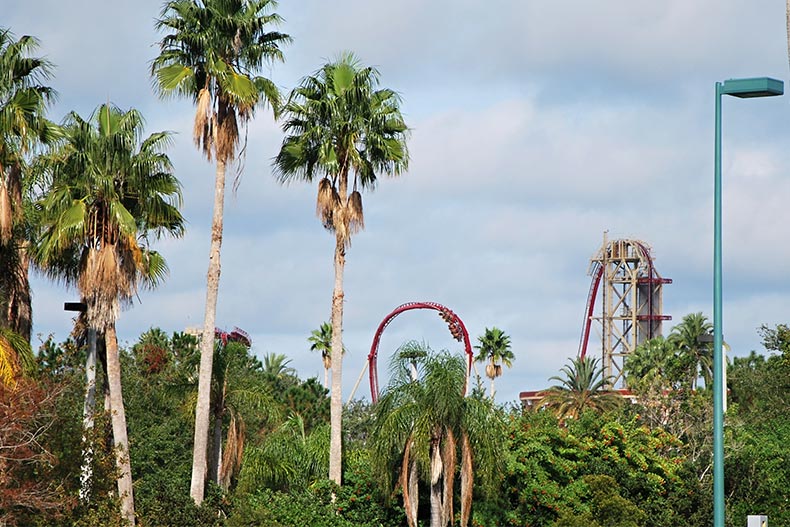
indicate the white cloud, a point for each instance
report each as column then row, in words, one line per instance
column 536, row 126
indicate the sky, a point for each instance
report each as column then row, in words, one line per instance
column 536, row 126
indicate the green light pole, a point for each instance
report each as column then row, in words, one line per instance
column 743, row 88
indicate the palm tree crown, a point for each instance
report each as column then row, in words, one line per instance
column 494, row 347
column 582, row 387
column 110, row 190
column 694, row 350
column 339, row 125
column 107, row 196
column 210, row 54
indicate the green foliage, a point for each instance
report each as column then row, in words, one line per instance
column 323, row 504
column 550, row 469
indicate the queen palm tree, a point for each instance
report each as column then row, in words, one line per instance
column 341, row 128
column 494, row 347
column 211, row 54
column 421, row 425
column 694, row 349
column 23, row 125
column 110, row 190
column 582, row 387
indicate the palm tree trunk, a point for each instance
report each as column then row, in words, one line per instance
column 336, row 401
column 467, row 480
column 437, row 508
column 326, row 378
column 125, row 491
column 86, row 471
column 216, row 446
column 787, row 14
column 408, row 483
column 207, row 342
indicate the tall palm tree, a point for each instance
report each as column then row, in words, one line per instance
column 321, row 340
column 694, row 349
column 340, row 127
column 211, row 53
column 420, row 425
column 110, row 190
column 582, row 387
column 23, row 125
column 494, row 347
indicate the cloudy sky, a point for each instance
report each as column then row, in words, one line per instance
column 536, row 126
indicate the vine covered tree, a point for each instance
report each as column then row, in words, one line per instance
column 23, row 103
column 494, row 348
column 110, row 190
column 342, row 128
column 211, row 53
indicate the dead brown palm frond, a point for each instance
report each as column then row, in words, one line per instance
column 5, row 213
column 449, row 454
column 326, row 202
column 234, row 451
column 491, row 370
column 355, row 216
column 227, row 135
column 201, row 132
column 467, row 480
column 102, row 284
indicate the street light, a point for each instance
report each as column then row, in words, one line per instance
column 742, row 88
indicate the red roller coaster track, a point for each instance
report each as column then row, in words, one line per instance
column 457, row 330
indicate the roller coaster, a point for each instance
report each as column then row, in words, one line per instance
column 454, row 324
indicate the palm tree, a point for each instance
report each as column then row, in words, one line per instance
column 321, row 340
column 236, row 391
column 420, row 425
column 495, row 348
column 651, row 365
column 211, row 54
column 276, row 365
column 582, row 387
column 695, row 350
column 23, row 103
column 340, row 127
column 109, row 192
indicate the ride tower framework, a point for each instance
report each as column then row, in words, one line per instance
column 631, row 302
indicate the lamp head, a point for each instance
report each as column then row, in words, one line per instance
column 753, row 87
